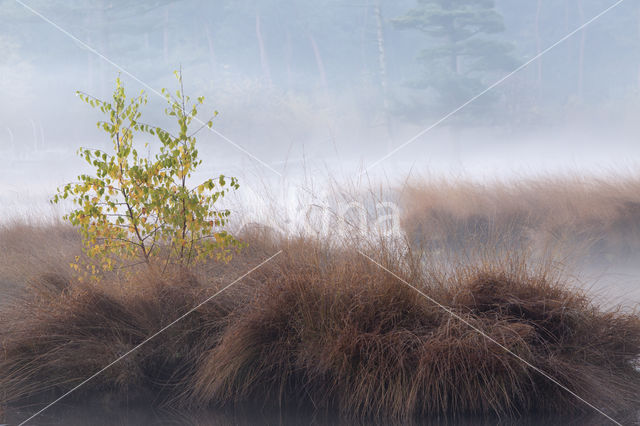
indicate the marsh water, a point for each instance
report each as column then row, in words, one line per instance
column 103, row 415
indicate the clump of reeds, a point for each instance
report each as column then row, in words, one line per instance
column 321, row 326
column 336, row 331
column 598, row 218
column 64, row 331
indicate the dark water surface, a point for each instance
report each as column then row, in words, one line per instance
column 100, row 414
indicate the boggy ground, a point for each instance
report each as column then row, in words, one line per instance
column 319, row 327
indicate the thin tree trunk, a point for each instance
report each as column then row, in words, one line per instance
column 449, row 25
column 14, row 149
column 538, row 50
column 364, row 41
column 102, row 45
column 583, row 40
column 165, row 36
column 320, row 65
column 288, row 54
column 382, row 62
column 90, row 65
column 35, row 136
column 264, row 60
column 212, row 54
column 453, row 58
column 639, row 39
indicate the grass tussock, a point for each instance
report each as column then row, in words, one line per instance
column 323, row 327
column 64, row 332
column 598, row 218
column 348, row 336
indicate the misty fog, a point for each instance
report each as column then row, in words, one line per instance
column 311, row 98
column 326, row 89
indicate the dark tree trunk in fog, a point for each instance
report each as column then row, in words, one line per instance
column 90, row 65
column 102, row 44
column 450, row 29
column 212, row 54
column 638, row 36
column 288, row 54
column 453, row 57
column 538, row 50
column 382, row 63
column 364, row 41
column 264, row 60
column 165, row 36
column 320, row 65
column 12, row 142
column 35, row 135
column 583, row 40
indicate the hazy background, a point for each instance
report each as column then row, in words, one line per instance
column 327, row 85
column 313, row 92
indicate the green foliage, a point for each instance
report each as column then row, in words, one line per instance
column 141, row 210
